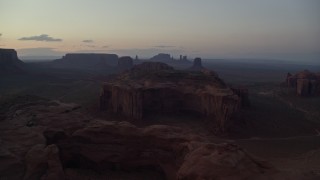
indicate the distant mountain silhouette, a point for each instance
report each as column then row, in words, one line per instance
column 9, row 62
column 162, row 57
column 86, row 61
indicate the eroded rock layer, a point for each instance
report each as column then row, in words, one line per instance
column 305, row 82
column 158, row 88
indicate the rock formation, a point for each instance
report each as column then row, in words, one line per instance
column 158, row 88
column 197, row 65
column 86, row 61
column 125, row 63
column 305, row 82
column 9, row 62
column 162, row 57
column 169, row 150
column 65, row 143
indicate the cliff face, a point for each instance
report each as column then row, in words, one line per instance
column 9, row 61
column 87, row 61
column 305, row 82
column 157, row 88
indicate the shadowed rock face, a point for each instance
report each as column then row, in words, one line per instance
column 9, row 61
column 174, row 152
column 86, row 61
column 305, row 82
column 197, row 65
column 64, row 143
column 157, row 88
column 125, row 63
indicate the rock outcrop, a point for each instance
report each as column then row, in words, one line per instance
column 305, row 82
column 173, row 152
column 125, row 63
column 197, row 65
column 86, row 61
column 162, row 57
column 68, row 144
column 9, row 62
column 158, row 88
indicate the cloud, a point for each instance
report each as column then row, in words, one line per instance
column 88, row 41
column 42, row 37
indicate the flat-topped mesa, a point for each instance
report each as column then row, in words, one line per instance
column 8, row 55
column 305, row 82
column 156, row 88
column 9, row 61
column 125, row 63
column 86, row 60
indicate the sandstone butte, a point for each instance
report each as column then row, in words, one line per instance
column 305, row 82
column 154, row 87
column 9, row 62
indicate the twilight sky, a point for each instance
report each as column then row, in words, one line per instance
column 266, row 29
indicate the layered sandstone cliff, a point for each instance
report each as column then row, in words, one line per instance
column 158, row 88
column 305, row 82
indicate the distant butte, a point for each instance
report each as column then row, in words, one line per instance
column 197, row 65
column 86, row 61
column 155, row 87
column 9, row 62
column 305, row 82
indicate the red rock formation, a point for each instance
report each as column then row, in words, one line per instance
column 305, row 82
column 64, row 140
column 172, row 151
column 158, row 88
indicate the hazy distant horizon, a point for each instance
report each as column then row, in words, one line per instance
column 286, row 29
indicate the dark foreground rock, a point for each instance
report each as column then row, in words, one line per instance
column 67, row 144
